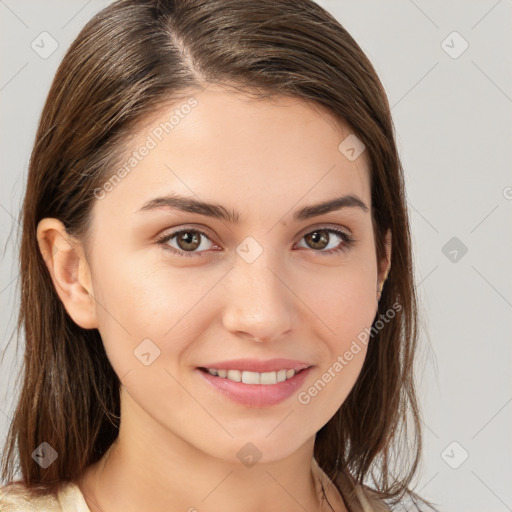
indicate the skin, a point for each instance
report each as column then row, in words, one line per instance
column 179, row 438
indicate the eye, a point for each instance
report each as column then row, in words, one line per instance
column 188, row 240
column 321, row 238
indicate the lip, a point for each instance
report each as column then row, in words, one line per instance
column 257, row 365
column 255, row 395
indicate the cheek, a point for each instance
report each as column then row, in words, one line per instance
column 344, row 302
column 343, row 316
column 161, row 305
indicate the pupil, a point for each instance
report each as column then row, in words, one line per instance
column 318, row 236
column 189, row 237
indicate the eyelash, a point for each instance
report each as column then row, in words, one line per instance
column 348, row 242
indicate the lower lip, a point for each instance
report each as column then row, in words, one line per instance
column 257, row 395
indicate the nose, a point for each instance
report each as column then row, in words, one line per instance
column 259, row 304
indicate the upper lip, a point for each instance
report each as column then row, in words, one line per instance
column 257, row 365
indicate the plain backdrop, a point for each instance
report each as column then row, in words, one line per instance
column 447, row 70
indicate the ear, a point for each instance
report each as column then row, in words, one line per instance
column 385, row 264
column 65, row 258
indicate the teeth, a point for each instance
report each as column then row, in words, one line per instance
column 235, row 375
column 250, row 377
column 268, row 378
column 253, row 377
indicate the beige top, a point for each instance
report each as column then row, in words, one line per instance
column 14, row 498
column 355, row 497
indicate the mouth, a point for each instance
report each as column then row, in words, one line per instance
column 255, row 389
column 254, row 378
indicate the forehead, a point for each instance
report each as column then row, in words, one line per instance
column 241, row 151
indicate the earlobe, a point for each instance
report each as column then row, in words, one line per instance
column 65, row 259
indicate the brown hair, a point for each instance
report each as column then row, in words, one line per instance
column 129, row 60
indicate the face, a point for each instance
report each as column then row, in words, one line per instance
column 175, row 291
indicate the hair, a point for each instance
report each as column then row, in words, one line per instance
column 131, row 59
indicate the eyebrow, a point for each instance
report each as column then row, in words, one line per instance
column 217, row 211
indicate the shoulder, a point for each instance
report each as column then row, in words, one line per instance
column 15, row 497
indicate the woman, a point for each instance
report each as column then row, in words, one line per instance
column 217, row 286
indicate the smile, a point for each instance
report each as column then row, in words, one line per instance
column 248, row 377
column 255, row 389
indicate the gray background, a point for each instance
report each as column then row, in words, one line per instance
column 452, row 113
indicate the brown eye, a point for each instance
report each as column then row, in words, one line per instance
column 317, row 239
column 320, row 239
column 188, row 240
column 185, row 242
